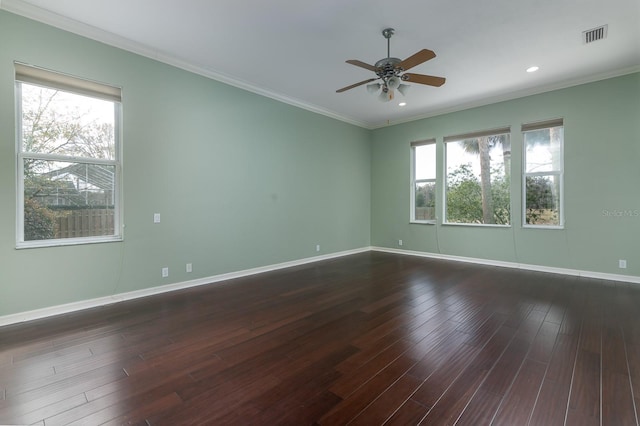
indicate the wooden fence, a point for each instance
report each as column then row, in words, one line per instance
column 85, row 223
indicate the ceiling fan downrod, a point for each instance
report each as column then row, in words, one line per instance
column 386, row 68
column 387, row 33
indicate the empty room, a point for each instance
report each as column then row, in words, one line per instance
column 330, row 213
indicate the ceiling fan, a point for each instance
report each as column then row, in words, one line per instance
column 391, row 72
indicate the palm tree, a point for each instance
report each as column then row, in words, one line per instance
column 482, row 146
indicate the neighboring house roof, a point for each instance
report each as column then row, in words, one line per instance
column 93, row 174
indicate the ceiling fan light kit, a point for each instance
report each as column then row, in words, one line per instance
column 393, row 83
column 391, row 72
column 373, row 87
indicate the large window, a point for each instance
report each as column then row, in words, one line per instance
column 478, row 167
column 68, row 159
column 423, row 181
column 543, row 173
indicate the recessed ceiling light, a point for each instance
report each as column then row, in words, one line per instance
column 402, row 104
column 533, row 69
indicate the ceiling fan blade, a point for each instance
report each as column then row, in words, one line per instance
column 416, row 59
column 429, row 80
column 344, row 89
column 361, row 64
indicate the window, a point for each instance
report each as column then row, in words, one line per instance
column 478, row 167
column 543, row 174
column 423, row 181
column 68, row 159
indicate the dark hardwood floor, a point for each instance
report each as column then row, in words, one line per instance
column 368, row 339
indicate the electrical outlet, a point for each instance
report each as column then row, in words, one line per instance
column 189, row 267
column 622, row 264
column 399, row 242
column 156, row 218
column 165, row 272
column 317, row 247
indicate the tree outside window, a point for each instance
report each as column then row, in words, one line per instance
column 478, row 178
column 68, row 159
column 543, row 174
column 423, row 181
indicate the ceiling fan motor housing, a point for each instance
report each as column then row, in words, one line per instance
column 386, row 68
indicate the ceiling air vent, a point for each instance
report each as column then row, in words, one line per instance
column 594, row 34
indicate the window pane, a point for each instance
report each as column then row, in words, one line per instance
column 425, row 157
column 68, row 199
column 544, row 150
column 542, row 200
column 63, row 123
column 478, row 180
column 425, row 197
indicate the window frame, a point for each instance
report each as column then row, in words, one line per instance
column 414, row 182
column 27, row 74
column 506, row 130
column 532, row 127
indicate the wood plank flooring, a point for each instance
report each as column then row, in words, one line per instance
column 367, row 339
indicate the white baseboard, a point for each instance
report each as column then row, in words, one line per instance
column 107, row 300
column 554, row 270
column 115, row 298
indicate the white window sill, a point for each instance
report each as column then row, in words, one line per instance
column 543, row 226
column 477, row 225
column 423, row 222
column 67, row 242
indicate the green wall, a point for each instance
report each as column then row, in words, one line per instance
column 602, row 174
column 241, row 181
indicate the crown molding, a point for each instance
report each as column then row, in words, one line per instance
column 514, row 95
column 29, row 11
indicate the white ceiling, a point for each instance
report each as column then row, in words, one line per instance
column 295, row 50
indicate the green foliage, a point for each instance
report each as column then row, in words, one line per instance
column 39, row 221
column 500, row 189
column 421, row 197
column 541, row 205
column 425, row 196
column 464, row 197
column 494, row 183
column 36, row 185
column 425, row 201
